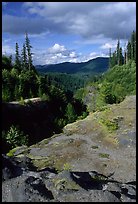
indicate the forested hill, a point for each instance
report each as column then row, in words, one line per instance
column 94, row 66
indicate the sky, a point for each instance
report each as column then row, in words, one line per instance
column 67, row 31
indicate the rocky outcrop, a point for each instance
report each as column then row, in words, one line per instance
column 93, row 160
column 48, row 185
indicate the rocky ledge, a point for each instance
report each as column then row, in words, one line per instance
column 93, row 160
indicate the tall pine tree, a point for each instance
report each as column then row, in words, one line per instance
column 129, row 51
column 133, row 46
column 117, row 58
column 121, row 58
column 24, row 58
column 125, row 56
column 118, row 52
column 17, row 58
column 110, row 58
column 29, row 54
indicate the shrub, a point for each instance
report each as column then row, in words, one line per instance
column 45, row 97
column 67, row 167
column 15, row 137
column 22, row 102
column 111, row 125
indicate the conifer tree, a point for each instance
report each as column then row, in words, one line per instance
column 128, row 51
column 114, row 59
column 121, row 58
column 70, row 113
column 24, row 58
column 17, row 58
column 125, row 57
column 118, row 52
column 133, row 46
column 28, row 49
column 110, row 58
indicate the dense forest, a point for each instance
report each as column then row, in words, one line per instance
column 21, row 81
column 72, row 76
column 63, row 94
column 120, row 58
column 67, row 82
column 91, row 67
column 117, row 82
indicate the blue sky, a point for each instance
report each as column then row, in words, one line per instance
column 67, row 31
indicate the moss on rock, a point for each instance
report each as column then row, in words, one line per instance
column 65, row 184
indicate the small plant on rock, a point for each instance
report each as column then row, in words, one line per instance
column 67, row 167
column 15, row 137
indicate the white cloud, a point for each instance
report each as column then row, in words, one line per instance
column 108, row 45
column 92, row 55
column 57, row 48
column 58, row 54
column 72, row 55
column 55, row 54
column 7, row 50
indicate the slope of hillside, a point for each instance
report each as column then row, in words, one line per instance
column 93, row 160
column 94, row 66
column 116, row 83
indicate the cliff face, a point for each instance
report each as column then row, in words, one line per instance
column 92, row 160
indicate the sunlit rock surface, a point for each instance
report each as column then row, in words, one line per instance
column 93, row 160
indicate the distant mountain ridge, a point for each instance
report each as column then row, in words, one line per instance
column 94, row 66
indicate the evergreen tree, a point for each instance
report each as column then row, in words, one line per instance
column 125, row 56
column 118, row 52
column 24, row 58
column 133, row 46
column 29, row 54
column 10, row 57
column 135, row 50
column 70, row 113
column 121, row 58
column 6, row 62
column 110, row 58
column 17, row 58
column 114, row 59
column 128, row 51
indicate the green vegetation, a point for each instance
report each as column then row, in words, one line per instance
column 119, row 82
column 92, row 67
column 20, row 81
column 67, row 167
column 11, row 153
column 111, row 125
column 22, row 102
column 104, row 155
column 68, row 82
column 15, row 137
column 95, row 147
column 70, row 113
column 65, row 184
column 72, row 76
column 60, row 91
column 112, row 87
column 117, row 58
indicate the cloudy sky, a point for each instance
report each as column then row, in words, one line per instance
column 67, row 31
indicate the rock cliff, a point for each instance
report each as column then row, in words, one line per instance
column 92, row 160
